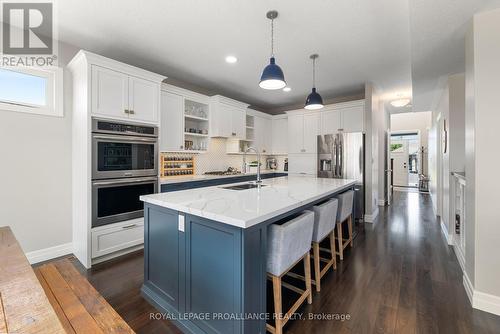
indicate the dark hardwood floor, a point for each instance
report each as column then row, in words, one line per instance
column 400, row 277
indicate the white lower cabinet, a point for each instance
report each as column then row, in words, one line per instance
column 116, row 237
column 302, row 164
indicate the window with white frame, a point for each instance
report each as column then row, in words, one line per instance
column 29, row 90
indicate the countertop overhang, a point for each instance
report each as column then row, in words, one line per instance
column 246, row 208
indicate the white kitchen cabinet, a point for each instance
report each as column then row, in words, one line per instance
column 330, row 122
column 143, row 99
column 353, row 118
column 227, row 118
column 295, row 133
column 115, row 237
column 279, row 130
column 109, row 93
column 172, row 122
column 302, row 163
column 311, row 131
column 120, row 96
column 303, row 130
column 184, row 120
column 343, row 117
column 238, row 123
column 262, row 134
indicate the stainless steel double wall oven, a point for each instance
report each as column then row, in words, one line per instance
column 124, row 167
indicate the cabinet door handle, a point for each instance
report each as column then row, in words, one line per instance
column 127, row 111
column 181, row 147
column 234, row 133
column 129, row 226
column 340, row 130
column 131, row 112
column 302, row 150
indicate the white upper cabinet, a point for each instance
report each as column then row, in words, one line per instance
column 303, row 130
column 143, row 99
column 353, row 118
column 343, row 117
column 109, row 92
column 238, row 123
column 279, row 140
column 118, row 94
column 330, row 122
column 262, row 134
column 172, row 122
column 184, row 125
column 311, row 131
column 227, row 118
column 295, row 133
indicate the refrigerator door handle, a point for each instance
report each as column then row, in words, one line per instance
column 341, row 155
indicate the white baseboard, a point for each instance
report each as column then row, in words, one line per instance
column 486, row 302
column 449, row 238
column 481, row 300
column 469, row 289
column 49, row 253
column 371, row 218
column 116, row 254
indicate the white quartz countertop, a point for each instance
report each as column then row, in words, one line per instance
column 245, row 208
column 190, row 178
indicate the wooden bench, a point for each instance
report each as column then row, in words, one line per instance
column 24, row 306
column 80, row 308
column 52, row 298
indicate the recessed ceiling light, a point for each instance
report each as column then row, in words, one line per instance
column 400, row 102
column 231, row 59
column 287, row 89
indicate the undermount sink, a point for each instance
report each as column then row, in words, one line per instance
column 244, row 186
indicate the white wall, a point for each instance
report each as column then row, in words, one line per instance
column 35, row 195
column 374, row 119
column 413, row 121
column 483, row 183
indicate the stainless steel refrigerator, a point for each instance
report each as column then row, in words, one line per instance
column 341, row 156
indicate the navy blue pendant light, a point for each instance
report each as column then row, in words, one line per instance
column 314, row 100
column 272, row 77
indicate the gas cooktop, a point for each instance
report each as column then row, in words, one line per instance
column 229, row 171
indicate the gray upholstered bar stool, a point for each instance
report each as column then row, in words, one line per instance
column 344, row 214
column 325, row 216
column 287, row 245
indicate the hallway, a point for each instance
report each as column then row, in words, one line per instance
column 399, row 278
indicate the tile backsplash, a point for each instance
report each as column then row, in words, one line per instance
column 216, row 158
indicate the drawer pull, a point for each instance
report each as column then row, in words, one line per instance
column 129, row 226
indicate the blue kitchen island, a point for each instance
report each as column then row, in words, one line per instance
column 205, row 249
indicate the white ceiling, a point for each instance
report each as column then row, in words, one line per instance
column 405, row 47
column 438, row 44
column 357, row 41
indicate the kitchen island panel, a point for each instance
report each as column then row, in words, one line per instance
column 213, row 273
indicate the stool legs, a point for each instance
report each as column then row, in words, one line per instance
column 277, row 305
column 332, row 248
column 317, row 272
column 307, row 272
column 282, row 318
column 339, row 238
column 349, row 226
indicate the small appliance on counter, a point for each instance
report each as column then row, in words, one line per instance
column 271, row 163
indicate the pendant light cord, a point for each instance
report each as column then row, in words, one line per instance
column 314, row 72
column 272, row 37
